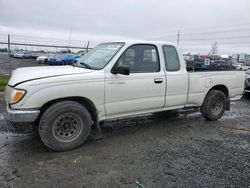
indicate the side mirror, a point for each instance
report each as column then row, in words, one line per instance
column 121, row 69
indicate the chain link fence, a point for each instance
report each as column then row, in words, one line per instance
column 14, row 47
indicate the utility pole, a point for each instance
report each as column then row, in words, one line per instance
column 70, row 35
column 9, row 53
column 178, row 37
column 87, row 47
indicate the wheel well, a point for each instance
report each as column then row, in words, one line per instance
column 221, row 88
column 88, row 104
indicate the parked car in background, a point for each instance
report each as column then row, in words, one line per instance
column 200, row 64
column 77, row 58
column 36, row 54
column 241, row 66
column 247, row 82
column 44, row 58
column 55, row 60
column 241, row 61
column 23, row 54
column 221, row 64
column 69, row 59
column 63, row 59
column 12, row 53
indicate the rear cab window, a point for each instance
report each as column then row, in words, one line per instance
column 171, row 58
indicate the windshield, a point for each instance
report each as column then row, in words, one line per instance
column 99, row 56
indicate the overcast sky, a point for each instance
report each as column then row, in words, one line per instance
column 200, row 22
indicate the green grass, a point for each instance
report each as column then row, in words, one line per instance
column 3, row 81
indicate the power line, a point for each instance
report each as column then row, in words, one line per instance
column 217, row 38
column 162, row 35
column 211, row 32
column 218, row 26
column 200, row 33
column 220, row 43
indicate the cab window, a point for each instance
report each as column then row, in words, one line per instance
column 171, row 58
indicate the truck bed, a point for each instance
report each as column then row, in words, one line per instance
column 201, row 81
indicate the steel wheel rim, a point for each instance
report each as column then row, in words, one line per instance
column 217, row 106
column 67, row 127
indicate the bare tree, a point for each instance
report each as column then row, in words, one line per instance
column 214, row 49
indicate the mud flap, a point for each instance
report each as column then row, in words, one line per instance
column 228, row 105
column 96, row 132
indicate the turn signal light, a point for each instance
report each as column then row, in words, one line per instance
column 16, row 95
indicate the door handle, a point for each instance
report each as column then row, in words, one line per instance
column 158, row 80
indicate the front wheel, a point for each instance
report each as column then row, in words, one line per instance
column 65, row 126
column 214, row 105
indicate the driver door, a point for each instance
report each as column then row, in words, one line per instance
column 142, row 90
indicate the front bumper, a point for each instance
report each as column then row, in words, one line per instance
column 21, row 121
column 21, row 116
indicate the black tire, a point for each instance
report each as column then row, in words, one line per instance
column 214, row 105
column 65, row 126
column 46, row 61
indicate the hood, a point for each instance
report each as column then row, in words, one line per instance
column 32, row 73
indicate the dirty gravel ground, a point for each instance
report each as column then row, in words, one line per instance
column 168, row 149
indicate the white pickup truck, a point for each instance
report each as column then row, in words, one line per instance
column 113, row 80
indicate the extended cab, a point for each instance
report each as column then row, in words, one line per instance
column 113, row 80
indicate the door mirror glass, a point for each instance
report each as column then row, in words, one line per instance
column 121, row 69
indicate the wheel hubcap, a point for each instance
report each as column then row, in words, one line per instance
column 217, row 106
column 67, row 127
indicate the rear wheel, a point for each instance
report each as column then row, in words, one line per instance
column 214, row 105
column 64, row 126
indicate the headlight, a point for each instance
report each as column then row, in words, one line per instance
column 16, row 95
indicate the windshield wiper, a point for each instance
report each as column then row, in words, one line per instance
column 84, row 65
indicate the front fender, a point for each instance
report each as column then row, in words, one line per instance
column 39, row 93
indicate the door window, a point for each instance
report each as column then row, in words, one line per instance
column 140, row 58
